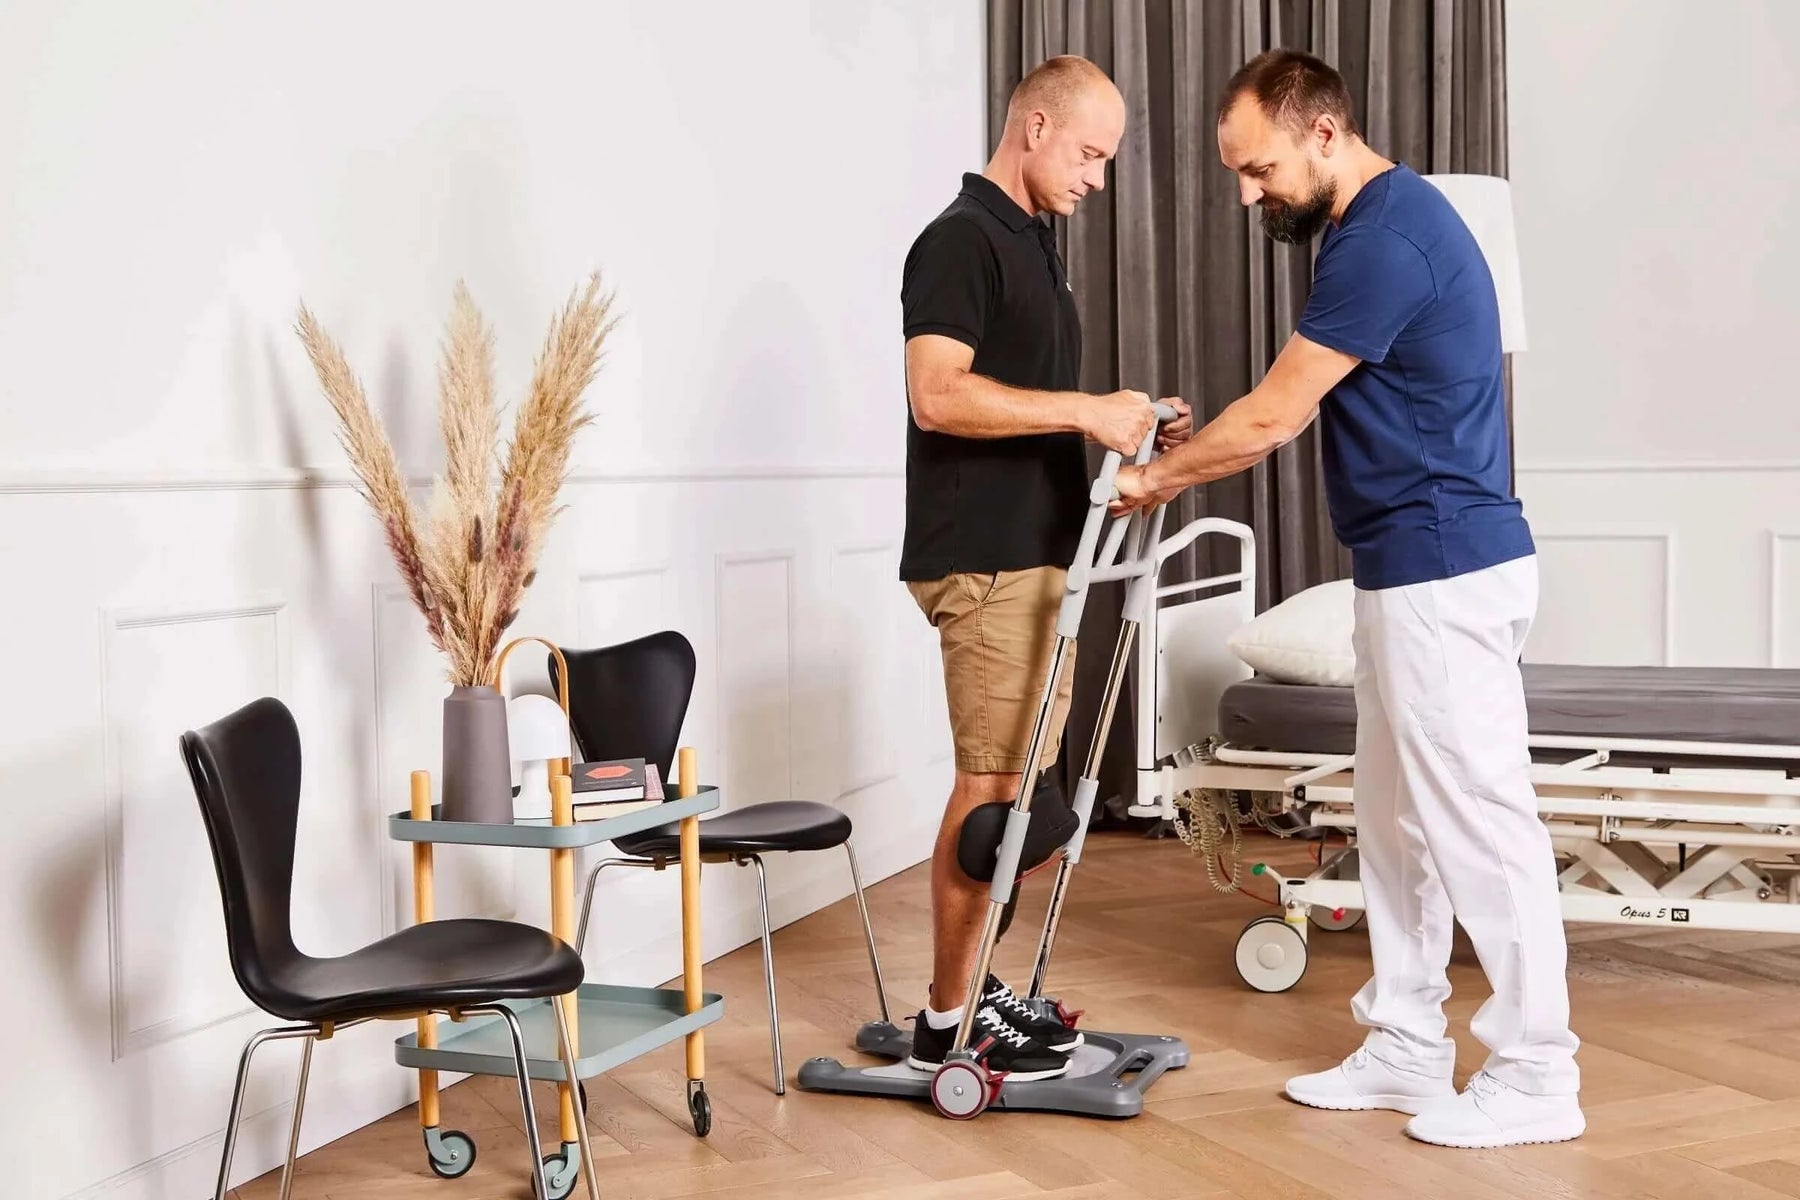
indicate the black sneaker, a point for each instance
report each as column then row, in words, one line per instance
column 1042, row 1019
column 1000, row 1047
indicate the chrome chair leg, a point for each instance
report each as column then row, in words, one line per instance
column 237, row 1093
column 523, row 1069
column 587, row 902
column 565, row 1044
column 868, row 930
column 762, row 891
column 287, row 1168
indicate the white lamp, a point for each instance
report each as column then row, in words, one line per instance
column 537, row 730
column 1484, row 202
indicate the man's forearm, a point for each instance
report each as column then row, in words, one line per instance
column 974, row 406
column 1236, row 440
column 1256, row 425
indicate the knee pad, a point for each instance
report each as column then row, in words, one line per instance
column 1052, row 824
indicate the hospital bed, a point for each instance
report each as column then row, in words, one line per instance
column 1672, row 794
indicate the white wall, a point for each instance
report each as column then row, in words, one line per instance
column 178, row 531
column 1658, row 434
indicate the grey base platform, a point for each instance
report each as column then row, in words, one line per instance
column 1107, row 1077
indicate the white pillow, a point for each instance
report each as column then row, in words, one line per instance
column 1304, row 639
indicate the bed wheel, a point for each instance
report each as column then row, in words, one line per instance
column 1334, row 920
column 1271, row 954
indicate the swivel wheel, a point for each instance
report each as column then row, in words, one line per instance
column 560, row 1170
column 700, row 1108
column 450, row 1155
column 1271, row 954
column 962, row 1090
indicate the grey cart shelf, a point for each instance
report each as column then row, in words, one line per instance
column 545, row 834
column 617, row 1025
column 613, row 1024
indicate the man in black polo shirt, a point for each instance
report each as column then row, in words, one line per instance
column 996, row 493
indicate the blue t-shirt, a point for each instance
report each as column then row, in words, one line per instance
column 1414, row 437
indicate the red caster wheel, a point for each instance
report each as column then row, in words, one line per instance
column 962, row 1090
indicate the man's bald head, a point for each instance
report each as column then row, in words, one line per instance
column 1057, row 85
column 1063, row 126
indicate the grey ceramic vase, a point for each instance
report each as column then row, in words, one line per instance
column 477, row 758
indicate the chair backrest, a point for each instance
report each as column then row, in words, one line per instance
column 629, row 700
column 246, row 773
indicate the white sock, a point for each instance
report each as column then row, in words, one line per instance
column 943, row 1020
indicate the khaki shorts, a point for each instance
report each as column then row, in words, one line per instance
column 996, row 632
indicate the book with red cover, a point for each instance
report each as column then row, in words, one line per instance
column 600, row 806
column 616, row 779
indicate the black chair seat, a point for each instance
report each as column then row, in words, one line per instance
column 772, row 828
column 435, row 964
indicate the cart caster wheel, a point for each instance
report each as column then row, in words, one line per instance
column 561, row 1174
column 962, row 1090
column 453, row 1154
column 1334, row 920
column 1271, row 955
column 700, row 1108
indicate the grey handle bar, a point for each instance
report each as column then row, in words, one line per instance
column 1109, row 470
column 1100, row 497
column 1103, row 493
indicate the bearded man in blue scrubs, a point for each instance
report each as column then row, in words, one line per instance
column 1398, row 356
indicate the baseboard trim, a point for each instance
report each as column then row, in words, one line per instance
column 305, row 479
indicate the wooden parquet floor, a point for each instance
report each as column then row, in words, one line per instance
column 1691, row 1066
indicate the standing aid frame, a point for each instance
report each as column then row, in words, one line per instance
column 1109, row 1073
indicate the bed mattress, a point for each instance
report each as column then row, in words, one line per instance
column 1688, row 704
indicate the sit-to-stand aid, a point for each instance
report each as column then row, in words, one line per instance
column 1096, row 1082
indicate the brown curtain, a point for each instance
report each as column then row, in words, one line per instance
column 1180, row 292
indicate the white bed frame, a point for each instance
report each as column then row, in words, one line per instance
column 1715, row 846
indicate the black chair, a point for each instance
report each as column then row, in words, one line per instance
column 245, row 769
column 629, row 701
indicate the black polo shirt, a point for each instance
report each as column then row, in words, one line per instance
column 988, row 274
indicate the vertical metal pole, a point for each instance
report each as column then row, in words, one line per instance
column 522, row 1071
column 768, row 949
column 862, row 907
column 565, row 1037
column 287, row 1167
column 1090, row 777
column 1006, row 870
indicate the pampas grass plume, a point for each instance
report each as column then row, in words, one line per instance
column 467, row 565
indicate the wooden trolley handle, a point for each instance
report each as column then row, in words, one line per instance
column 498, row 678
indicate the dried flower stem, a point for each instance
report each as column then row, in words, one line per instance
column 469, row 576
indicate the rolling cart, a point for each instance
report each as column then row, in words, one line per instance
column 613, row 1024
column 1109, row 1073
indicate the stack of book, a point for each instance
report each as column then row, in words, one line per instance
column 603, row 790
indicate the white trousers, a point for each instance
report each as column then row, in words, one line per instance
column 1447, row 828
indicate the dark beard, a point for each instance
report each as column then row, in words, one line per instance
column 1297, row 224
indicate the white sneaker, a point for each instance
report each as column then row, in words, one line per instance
column 1489, row 1113
column 1363, row 1081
